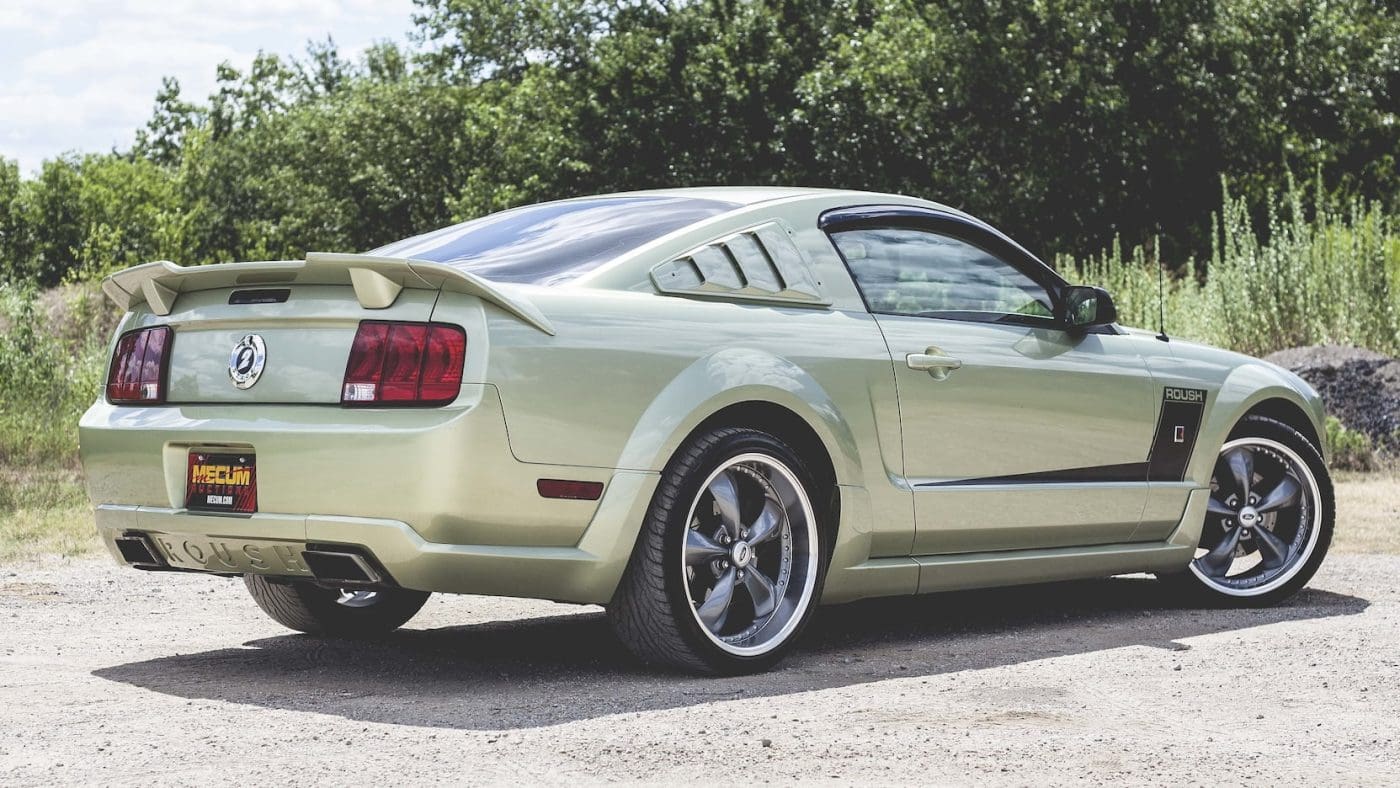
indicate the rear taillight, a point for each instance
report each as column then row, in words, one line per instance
column 404, row 364
column 139, row 365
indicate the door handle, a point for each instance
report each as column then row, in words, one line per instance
column 935, row 362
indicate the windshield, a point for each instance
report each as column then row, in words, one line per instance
column 554, row 242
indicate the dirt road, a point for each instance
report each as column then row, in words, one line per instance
column 115, row 676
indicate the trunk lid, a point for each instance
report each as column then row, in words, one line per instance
column 305, row 342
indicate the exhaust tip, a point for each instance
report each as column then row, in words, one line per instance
column 333, row 566
column 137, row 550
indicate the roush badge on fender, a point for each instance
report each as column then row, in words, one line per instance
column 245, row 363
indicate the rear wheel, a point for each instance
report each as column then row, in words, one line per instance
column 1269, row 518
column 309, row 608
column 730, row 561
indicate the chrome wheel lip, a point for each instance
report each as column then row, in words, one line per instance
column 1305, row 474
column 804, row 600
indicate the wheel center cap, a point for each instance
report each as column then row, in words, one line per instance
column 1248, row 516
column 741, row 554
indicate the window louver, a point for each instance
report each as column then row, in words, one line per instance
column 760, row 264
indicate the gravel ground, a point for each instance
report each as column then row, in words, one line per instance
column 113, row 676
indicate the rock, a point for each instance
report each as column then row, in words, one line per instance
column 1360, row 387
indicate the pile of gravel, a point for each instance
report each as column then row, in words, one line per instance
column 1361, row 387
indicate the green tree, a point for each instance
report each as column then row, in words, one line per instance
column 1307, row 86
column 50, row 208
column 468, row 40
column 129, row 214
column 1067, row 122
column 162, row 140
column 14, row 229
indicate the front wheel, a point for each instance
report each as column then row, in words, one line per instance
column 1269, row 518
column 730, row 561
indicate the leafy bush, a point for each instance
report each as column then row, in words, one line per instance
column 1316, row 272
column 1351, row 450
column 52, row 352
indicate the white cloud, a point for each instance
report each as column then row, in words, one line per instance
column 119, row 53
column 78, row 75
column 31, row 18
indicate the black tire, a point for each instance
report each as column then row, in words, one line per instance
column 1193, row 585
column 307, row 607
column 652, row 611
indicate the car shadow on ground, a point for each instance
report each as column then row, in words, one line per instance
column 543, row 671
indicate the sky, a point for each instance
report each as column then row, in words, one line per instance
column 82, row 75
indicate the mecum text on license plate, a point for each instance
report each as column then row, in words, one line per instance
column 222, row 482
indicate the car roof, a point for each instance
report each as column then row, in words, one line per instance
column 746, row 196
column 742, row 195
column 752, row 195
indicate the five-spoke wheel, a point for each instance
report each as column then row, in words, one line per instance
column 729, row 564
column 1269, row 517
column 748, row 559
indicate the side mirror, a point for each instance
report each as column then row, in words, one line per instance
column 1086, row 307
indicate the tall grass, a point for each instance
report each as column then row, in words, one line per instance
column 52, row 357
column 52, row 347
column 1315, row 272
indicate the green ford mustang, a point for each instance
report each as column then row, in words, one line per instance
column 706, row 409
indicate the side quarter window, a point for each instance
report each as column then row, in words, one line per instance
column 906, row 271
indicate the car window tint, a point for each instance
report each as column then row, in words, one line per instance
column 554, row 242
column 905, row 271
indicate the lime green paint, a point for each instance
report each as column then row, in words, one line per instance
column 604, row 377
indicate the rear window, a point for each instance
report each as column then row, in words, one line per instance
column 554, row 242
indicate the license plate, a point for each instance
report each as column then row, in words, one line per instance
column 222, row 483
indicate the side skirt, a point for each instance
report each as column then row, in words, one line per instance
column 1016, row 567
column 931, row 573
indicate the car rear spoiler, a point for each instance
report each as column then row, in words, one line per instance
column 377, row 282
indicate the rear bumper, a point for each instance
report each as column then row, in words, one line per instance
column 587, row 572
column 435, row 496
column 448, row 473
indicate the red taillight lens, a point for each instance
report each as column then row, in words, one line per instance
column 404, row 364
column 137, row 374
column 365, row 367
column 443, row 357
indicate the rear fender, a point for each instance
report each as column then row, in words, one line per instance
column 730, row 377
column 739, row 375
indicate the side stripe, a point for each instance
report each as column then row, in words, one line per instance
column 1127, row 472
column 1172, row 444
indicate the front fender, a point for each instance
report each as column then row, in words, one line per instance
column 1243, row 390
column 733, row 376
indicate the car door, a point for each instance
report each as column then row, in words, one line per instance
column 1016, row 433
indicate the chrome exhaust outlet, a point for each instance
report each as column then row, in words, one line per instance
column 137, row 550
column 341, row 568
